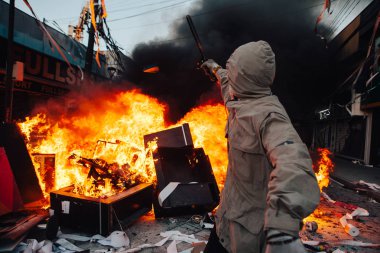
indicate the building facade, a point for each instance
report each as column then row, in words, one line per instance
column 45, row 72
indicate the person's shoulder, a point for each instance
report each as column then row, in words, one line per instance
column 261, row 108
column 266, row 103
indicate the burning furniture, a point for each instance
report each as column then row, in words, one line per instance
column 109, row 193
column 185, row 180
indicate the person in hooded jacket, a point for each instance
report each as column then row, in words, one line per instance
column 270, row 184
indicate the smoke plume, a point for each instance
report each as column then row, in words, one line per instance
column 303, row 71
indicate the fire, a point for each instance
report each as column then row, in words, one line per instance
column 109, row 128
column 323, row 168
column 207, row 128
column 104, row 135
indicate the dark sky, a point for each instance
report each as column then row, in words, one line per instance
column 304, row 70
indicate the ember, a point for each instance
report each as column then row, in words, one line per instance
column 118, row 121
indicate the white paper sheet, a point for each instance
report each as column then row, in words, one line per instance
column 172, row 248
column 68, row 245
column 168, row 235
column 116, row 239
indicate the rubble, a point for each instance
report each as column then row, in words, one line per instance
column 331, row 235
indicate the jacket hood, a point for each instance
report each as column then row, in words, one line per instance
column 251, row 70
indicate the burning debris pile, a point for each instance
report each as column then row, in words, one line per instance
column 116, row 122
column 104, row 179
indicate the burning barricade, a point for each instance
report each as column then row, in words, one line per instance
column 120, row 131
column 111, row 191
column 121, row 169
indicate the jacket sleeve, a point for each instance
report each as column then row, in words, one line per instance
column 293, row 191
column 222, row 77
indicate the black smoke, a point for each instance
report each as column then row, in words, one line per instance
column 304, row 72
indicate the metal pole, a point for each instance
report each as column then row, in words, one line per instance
column 368, row 138
column 90, row 44
column 8, row 77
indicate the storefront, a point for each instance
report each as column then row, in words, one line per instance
column 45, row 72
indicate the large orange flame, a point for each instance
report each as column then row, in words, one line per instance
column 110, row 128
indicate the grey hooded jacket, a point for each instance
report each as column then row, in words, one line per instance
column 270, row 183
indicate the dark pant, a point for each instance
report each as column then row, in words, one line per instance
column 213, row 244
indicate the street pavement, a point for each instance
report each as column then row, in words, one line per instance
column 353, row 171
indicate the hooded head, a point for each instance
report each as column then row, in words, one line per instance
column 251, row 70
